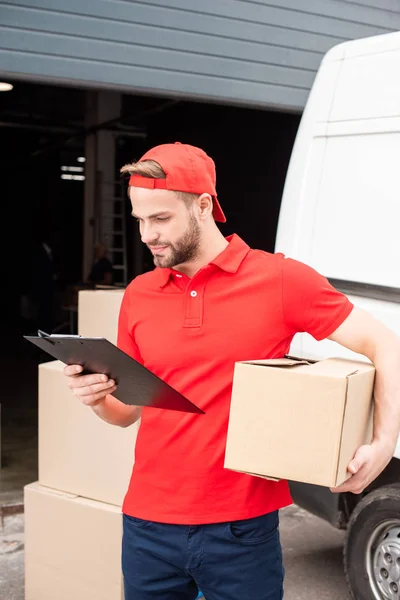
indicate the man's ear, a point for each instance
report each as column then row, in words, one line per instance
column 205, row 205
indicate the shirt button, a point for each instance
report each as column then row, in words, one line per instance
column 193, row 293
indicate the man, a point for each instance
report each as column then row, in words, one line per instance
column 43, row 283
column 102, row 269
column 210, row 302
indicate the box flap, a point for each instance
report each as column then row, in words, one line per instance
column 35, row 486
column 276, row 479
column 277, row 362
column 339, row 367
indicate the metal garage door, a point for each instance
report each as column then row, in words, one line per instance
column 262, row 53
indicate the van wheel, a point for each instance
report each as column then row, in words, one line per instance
column 372, row 548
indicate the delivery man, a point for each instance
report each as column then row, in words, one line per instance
column 188, row 523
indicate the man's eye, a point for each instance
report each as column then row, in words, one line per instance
column 162, row 219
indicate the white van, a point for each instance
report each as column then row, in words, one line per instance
column 340, row 214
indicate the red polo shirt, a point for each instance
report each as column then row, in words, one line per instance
column 246, row 304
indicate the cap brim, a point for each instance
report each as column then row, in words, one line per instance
column 218, row 213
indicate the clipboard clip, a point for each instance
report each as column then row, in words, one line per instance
column 50, row 336
column 43, row 334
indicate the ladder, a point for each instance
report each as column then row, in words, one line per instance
column 112, row 230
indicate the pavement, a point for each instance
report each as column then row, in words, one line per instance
column 313, row 557
column 12, row 558
column 19, row 420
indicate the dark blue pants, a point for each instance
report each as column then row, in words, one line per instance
column 240, row 560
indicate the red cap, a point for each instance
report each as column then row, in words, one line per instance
column 187, row 169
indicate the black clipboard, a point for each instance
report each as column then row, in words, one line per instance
column 136, row 384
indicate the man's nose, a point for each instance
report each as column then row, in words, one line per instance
column 148, row 234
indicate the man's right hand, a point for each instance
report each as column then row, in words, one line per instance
column 90, row 389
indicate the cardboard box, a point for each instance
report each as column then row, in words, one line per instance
column 297, row 420
column 98, row 312
column 78, row 452
column 72, row 547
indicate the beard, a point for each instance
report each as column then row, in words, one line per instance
column 183, row 251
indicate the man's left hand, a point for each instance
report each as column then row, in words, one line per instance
column 368, row 462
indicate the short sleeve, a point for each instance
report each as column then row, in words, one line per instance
column 125, row 339
column 310, row 303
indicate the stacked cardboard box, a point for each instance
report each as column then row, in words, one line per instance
column 73, row 521
column 72, row 547
column 98, row 313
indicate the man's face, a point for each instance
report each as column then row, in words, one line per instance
column 167, row 226
column 100, row 251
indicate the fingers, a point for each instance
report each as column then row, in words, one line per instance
column 94, row 388
column 360, row 471
column 93, row 399
column 90, row 389
column 361, row 458
column 71, row 370
column 349, row 489
column 355, row 484
column 92, row 394
column 81, row 381
column 88, row 380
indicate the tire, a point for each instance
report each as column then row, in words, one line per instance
column 372, row 547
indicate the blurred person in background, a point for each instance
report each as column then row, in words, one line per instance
column 102, row 272
column 38, row 299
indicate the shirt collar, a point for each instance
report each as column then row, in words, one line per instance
column 229, row 260
column 163, row 276
column 232, row 257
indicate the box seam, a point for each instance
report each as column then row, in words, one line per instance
column 341, row 432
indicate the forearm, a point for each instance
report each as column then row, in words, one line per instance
column 115, row 412
column 387, row 395
column 364, row 334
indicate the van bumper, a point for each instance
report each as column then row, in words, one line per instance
column 319, row 501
